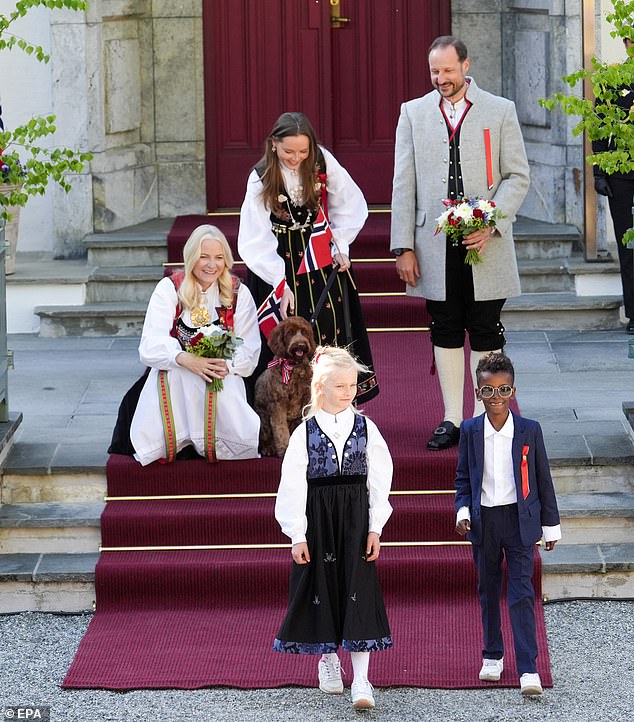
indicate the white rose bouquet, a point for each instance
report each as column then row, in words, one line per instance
column 214, row 342
column 464, row 216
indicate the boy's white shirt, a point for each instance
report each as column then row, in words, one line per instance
column 290, row 505
column 498, row 483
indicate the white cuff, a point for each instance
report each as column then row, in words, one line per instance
column 463, row 513
column 552, row 533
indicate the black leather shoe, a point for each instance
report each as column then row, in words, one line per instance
column 630, row 328
column 446, row 435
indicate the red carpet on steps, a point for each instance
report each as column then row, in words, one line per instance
column 190, row 618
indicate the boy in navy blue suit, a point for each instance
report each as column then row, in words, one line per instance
column 505, row 501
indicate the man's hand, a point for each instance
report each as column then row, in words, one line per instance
column 407, row 268
column 549, row 546
column 602, row 186
column 463, row 526
column 478, row 240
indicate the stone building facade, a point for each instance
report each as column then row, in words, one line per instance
column 126, row 82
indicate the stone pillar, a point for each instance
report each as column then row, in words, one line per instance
column 478, row 24
column 179, row 106
column 542, row 41
column 119, row 108
column 520, row 49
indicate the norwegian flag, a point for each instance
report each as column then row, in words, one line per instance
column 269, row 313
column 318, row 254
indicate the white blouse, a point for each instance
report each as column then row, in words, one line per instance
column 257, row 244
column 290, row 505
column 159, row 350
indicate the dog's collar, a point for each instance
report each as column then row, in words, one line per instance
column 287, row 368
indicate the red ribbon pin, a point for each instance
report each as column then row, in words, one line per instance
column 489, row 159
column 525, row 486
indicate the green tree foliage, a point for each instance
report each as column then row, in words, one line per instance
column 24, row 163
column 602, row 118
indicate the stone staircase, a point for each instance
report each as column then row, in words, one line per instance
column 124, row 266
column 49, row 535
column 50, row 504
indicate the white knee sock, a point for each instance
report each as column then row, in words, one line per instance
column 478, row 406
column 450, row 365
column 360, row 664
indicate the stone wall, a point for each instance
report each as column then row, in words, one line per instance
column 179, row 106
column 151, row 159
column 127, row 82
column 521, row 49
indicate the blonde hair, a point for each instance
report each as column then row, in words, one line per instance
column 188, row 292
column 327, row 361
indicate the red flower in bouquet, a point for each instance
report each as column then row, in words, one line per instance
column 464, row 216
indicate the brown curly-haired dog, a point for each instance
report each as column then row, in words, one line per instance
column 280, row 404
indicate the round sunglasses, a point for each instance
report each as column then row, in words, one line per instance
column 504, row 392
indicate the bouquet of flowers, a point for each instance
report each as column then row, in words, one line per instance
column 464, row 216
column 214, row 342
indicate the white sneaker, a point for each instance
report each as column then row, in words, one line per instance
column 491, row 669
column 362, row 694
column 530, row 684
column 330, row 676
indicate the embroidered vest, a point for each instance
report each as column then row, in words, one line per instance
column 322, row 455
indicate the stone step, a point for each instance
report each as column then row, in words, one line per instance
column 109, row 253
column 95, row 319
column 136, row 282
column 123, row 284
column 588, row 518
column 529, row 312
column 143, row 244
column 65, row 582
column 604, row 571
column 540, row 240
column 47, row 582
column 63, row 528
column 587, row 478
column 43, row 485
column 545, row 276
column 561, row 311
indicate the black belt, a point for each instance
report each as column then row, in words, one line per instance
column 338, row 479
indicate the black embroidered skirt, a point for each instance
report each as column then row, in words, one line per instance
column 335, row 600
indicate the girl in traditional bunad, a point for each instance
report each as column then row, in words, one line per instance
column 333, row 503
column 176, row 407
column 293, row 183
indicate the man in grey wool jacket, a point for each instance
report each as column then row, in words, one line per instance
column 457, row 140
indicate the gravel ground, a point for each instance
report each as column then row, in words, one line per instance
column 591, row 652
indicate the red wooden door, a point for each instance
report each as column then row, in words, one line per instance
column 263, row 57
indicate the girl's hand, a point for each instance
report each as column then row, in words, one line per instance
column 206, row 368
column 343, row 261
column 372, row 547
column 288, row 302
column 300, row 553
